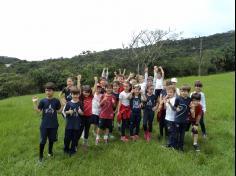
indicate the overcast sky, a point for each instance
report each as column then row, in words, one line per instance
column 43, row 29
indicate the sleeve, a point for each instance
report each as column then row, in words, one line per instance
column 203, row 102
column 58, row 105
column 41, row 104
column 120, row 96
column 154, row 79
column 176, row 104
column 81, row 106
column 145, row 78
column 66, row 107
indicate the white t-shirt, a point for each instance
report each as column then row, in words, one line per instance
column 96, row 104
column 177, row 93
column 170, row 114
column 159, row 83
column 123, row 97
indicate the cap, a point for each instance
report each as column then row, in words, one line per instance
column 174, row 80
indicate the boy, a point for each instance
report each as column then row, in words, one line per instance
column 49, row 124
column 73, row 112
column 196, row 114
column 182, row 108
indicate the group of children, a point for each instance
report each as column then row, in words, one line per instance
column 128, row 99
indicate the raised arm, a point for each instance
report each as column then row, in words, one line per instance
column 95, row 85
column 78, row 82
column 35, row 101
column 162, row 72
column 145, row 75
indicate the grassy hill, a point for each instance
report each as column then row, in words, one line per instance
column 19, row 136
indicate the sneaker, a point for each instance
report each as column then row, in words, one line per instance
column 124, row 139
column 111, row 136
column 50, row 154
column 204, row 136
column 133, row 138
column 196, row 148
column 40, row 159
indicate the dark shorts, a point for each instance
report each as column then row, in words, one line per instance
column 105, row 123
column 94, row 119
column 48, row 133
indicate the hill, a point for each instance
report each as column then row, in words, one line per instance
column 179, row 58
column 19, row 135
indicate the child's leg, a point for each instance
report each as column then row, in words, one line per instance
column 132, row 124
column 74, row 140
column 150, row 120
column 52, row 135
column 82, row 125
column 195, row 134
column 123, row 127
column 171, row 133
column 181, row 136
column 202, row 124
column 145, row 119
column 67, row 140
column 87, row 127
column 137, row 123
column 43, row 140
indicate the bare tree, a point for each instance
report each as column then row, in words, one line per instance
column 145, row 47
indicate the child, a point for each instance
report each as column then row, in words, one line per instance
column 66, row 91
column 182, row 107
column 169, row 101
column 136, row 99
column 73, row 113
column 49, row 124
column 159, row 78
column 198, row 89
column 124, row 110
column 96, row 106
column 150, row 107
column 174, row 83
column 107, row 104
column 196, row 114
column 161, row 111
column 86, row 99
column 143, row 80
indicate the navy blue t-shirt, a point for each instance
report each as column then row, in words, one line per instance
column 183, row 105
column 73, row 121
column 49, row 109
column 67, row 93
column 150, row 103
column 135, row 104
column 163, row 92
column 116, row 95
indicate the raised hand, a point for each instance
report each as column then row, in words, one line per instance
column 79, row 77
column 96, row 79
column 35, row 99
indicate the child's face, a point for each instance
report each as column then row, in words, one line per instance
column 75, row 96
column 184, row 93
column 140, row 79
column 115, row 87
column 103, row 82
column 86, row 93
column 173, row 83
column 170, row 93
column 49, row 92
column 120, row 79
column 69, row 82
column 196, row 102
column 159, row 75
column 126, row 87
column 150, row 90
column 198, row 88
column 109, row 90
column 136, row 91
column 149, row 82
column 99, row 90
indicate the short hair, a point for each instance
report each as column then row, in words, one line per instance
column 103, row 78
column 168, row 83
column 50, row 85
column 148, row 87
column 74, row 90
column 198, row 83
column 87, row 88
column 185, row 87
column 196, row 96
column 109, row 86
column 69, row 78
column 171, row 87
column 120, row 75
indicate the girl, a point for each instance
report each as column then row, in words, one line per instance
column 86, row 99
column 149, row 110
column 159, row 78
column 136, row 99
column 124, row 110
column 107, row 104
column 65, row 94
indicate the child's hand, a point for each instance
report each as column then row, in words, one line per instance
column 115, row 73
column 154, row 108
column 177, row 109
column 96, row 79
column 35, row 99
column 113, row 101
column 79, row 77
column 80, row 111
column 70, row 111
column 146, row 69
column 195, row 127
column 155, row 68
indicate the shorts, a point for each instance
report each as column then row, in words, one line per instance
column 94, row 119
column 105, row 124
column 50, row 133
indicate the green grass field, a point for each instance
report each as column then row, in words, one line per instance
column 19, row 141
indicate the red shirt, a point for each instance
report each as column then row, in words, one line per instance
column 198, row 113
column 107, row 111
column 121, row 88
column 88, row 105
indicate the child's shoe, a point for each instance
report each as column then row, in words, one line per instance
column 196, row 147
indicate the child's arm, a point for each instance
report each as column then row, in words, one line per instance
column 103, row 73
column 115, row 77
column 203, row 102
column 95, row 85
column 124, row 72
column 154, row 75
column 107, row 74
column 78, row 82
column 145, row 75
column 143, row 97
column 36, row 104
column 162, row 72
